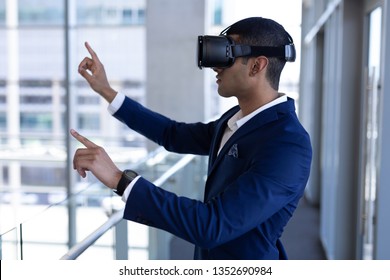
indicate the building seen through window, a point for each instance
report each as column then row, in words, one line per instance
column 32, row 86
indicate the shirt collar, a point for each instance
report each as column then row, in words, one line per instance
column 237, row 120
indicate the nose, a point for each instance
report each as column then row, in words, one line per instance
column 218, row 70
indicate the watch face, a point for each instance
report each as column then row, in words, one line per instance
column 130, row 174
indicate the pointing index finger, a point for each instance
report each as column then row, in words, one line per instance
column 83, row 140
column 91, row 52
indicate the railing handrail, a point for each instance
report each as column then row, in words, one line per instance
column 79, row 248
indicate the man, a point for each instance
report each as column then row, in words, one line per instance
column 259, row 154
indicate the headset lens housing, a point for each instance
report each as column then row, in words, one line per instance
column 215, row 51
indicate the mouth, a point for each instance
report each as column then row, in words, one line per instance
column 218, row 79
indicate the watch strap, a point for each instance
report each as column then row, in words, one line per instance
column 127, row 177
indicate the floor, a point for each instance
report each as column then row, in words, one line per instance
column 301, row 235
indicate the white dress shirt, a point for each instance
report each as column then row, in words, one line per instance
column 237, row 120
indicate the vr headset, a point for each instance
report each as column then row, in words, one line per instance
column 221, row 51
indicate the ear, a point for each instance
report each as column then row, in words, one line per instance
column 258, row 64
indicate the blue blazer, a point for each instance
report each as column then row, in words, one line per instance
column 253, row 185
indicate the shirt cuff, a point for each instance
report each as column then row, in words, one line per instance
column 127, row 191
column 116, row 103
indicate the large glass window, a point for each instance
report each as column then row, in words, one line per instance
column 39, row 79
column 372, row 130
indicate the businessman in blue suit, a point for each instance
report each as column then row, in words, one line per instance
column 259, row 153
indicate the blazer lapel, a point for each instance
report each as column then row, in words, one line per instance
column 255, row 123
column 220, row 129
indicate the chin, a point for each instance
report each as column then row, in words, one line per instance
column 221, row 92
column 224, row 94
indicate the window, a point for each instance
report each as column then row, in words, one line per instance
column 4, row 174
column 127, row 16
column 35, row 90
column 372, row 123
column 141, row 16
column 95, row 13
column 88, row 121
column 37, row 122
column 3, row 99
column 3, row 121
column 218, row 12
column 88, row 100
column 35, row 99
column 38, row 12
column 42, row 176
column 2, row 12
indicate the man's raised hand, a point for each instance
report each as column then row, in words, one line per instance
column 93, row 72
column 94, row 158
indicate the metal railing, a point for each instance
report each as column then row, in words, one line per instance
column 79, row 248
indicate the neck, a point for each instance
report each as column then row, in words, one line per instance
column 250, row 103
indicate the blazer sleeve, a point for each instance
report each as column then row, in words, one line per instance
column 207, row 225
column 174, row 136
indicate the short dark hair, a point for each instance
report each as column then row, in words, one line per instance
column 258, row 31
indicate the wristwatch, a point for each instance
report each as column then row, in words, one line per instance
column 126, row 178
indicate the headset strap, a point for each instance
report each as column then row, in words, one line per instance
column 286, row 52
